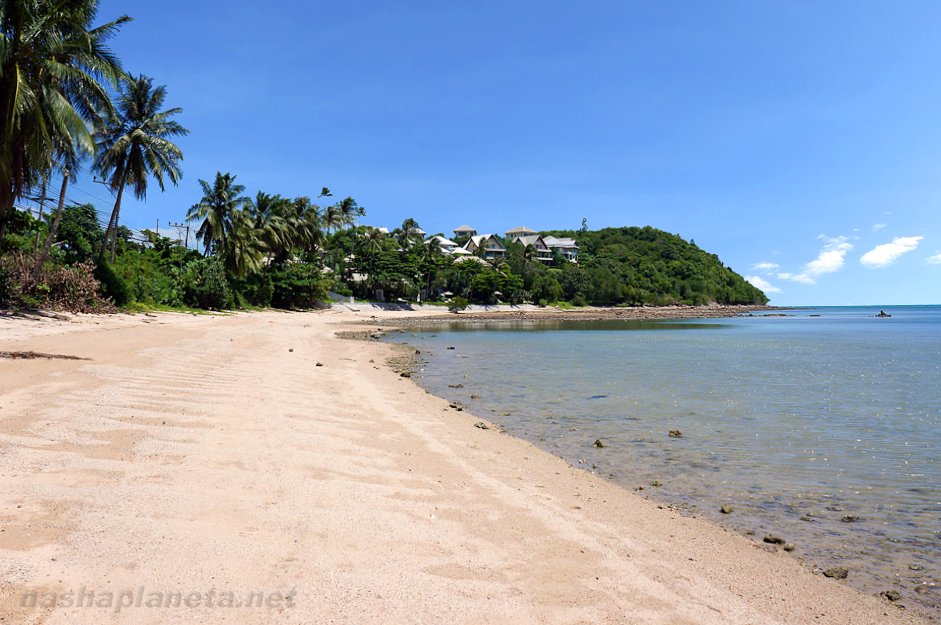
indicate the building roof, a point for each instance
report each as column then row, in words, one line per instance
column 557, row 242
column 443, row 241
column 465, row 229
column 529, row 239
column 471, row 258
column 521, row 230
column 479, row 239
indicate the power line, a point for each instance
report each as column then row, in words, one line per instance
column 91, row 195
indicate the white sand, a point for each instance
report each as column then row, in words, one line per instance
column 192, row 454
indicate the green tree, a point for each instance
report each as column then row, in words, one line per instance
column 79, row 232
column 271, row 222
column 546, row 288
column 134, row 144
column 220, row 201
column 244, row 250
column 431, row 262
column 54, row 68
column 349, row 210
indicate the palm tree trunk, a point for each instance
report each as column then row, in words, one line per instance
column 117, row 220
column 54, row 229
column 115, row 214
column 42, row 202
column 104, row 240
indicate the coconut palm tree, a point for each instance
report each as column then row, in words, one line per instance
column 243, row 251
column 332, row 218
column 134, row 144
column 306, row 223
column 272, row 222
column 220, row 201
column 349, row 211
column 52, row 69
column 431, row 260
column 407, row 235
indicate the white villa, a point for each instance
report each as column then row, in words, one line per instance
column 566, row 247
column 487, row 246
column 543, row 252
column 448, row 246
column 464, row 231
column 546, row 247
column 490, row 246
column 520, row 231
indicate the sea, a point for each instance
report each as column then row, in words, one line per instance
column 820, row 425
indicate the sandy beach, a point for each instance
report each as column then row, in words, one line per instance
column 205, row 462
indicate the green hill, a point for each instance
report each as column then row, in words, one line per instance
column 649, row 266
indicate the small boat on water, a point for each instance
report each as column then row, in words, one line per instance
column 883, row 313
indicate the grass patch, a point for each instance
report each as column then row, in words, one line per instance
column 137, row 307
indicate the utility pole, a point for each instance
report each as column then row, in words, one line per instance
column 179, row 232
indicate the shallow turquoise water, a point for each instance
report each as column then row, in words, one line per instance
column 821, row 417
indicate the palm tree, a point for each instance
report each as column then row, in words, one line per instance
column 52, row 65
column 135, row 143
column 244, row 250
column 407, row 233
column 369, row 247
column 220, row 201
column 332, row 218
column 349, row 211
column 271, row 218
column 306, row 223
column 430, row 261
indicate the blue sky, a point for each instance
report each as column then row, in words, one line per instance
column 799, row 141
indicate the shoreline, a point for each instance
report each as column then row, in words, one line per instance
column 549, row 313
column 377, row 501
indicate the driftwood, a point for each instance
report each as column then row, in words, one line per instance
column 34, row 355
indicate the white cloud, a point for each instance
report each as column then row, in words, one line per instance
column 878, row 227
column 831, row 257
column 887, row 253
column 934, row 260
column 765, row 266
column 803, row 278
column 763, row 284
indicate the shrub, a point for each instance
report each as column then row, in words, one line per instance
column 256, row 290
column 297, row 285
column 53, row 287
column 149, row 279
column 457, row 304
column 7, row 295
column 205, row 285
column 112, row 284
column 547, row 288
